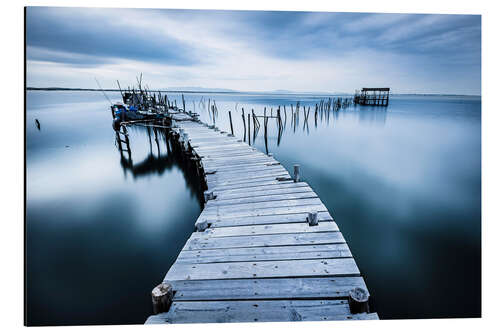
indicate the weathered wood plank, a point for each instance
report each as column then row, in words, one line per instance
column 229, row 155
column 263, row 269
column 266, row 289
column 250, row 164
column 278, row 188
column 273, row 188
column 271, row 253
column 263, row 198
column 233, row 161
column 268, row 219
column 248, row 179
column 257, row 311
column 211, row 217
column 219, row 146
column 199, row 243
column 241, row 207
column 267, row 229
column 256, row 183
column 224, row 150
column 237, row 175
column 244, row 169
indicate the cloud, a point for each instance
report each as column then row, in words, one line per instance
column 91, row 33
column 255, row 50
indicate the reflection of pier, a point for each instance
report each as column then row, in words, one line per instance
column 156, row 162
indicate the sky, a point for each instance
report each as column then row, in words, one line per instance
column 253, row 50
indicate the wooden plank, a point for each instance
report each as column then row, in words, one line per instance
column 229, row 155
column 267, row 229
column 271, row 253
column 250, row 185
column 264, row 161
column 250, row 182
column 224, row 165
column 263, row 269
column 246, row 173
column 226, row 150
column 232, row 145
column 235, row 160
column 268, row 219
column 222, row 196
column 266, row 289
column 211, row 217
column 268, row 188
column 251, row 164
column 240, row 171
column 263, row 198
column 218, row 210
column 248, row 179
column 199, row 243
column 257, row 311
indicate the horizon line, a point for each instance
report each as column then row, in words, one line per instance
column 230, row 91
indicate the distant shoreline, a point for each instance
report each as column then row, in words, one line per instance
column 239, row 92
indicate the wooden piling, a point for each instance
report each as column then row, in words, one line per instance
column 161, row 297
column 358, row 300
column 249, row 128
column 231, row 123
column 244, row 124
column 312, row 218
column 296, row 173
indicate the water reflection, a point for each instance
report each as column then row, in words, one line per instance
column 158, row 160
column 408, row 204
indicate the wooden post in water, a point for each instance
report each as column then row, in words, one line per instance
column 244, row 124
column 280, row 122
column 249, row 128
column 358, row 300
column 265, row 123
column 296, row 173
column 161, row 297
column 231, row 123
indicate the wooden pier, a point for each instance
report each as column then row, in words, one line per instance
column 372, row 96
column 265, row 248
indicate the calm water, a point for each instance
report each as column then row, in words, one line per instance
column 403, row 184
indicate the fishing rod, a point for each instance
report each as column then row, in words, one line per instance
column 102, row 90
column 119, row 88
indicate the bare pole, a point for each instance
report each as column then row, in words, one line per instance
column 249, row 128
column 284, row 111
column 231, row 123
column 244, row 124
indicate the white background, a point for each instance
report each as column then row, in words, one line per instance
column 12, row 164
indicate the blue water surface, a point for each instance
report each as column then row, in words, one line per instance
column 403, row 183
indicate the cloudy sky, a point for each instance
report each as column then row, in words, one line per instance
column 253, row 51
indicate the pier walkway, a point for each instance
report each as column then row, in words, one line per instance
column 265, row 247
